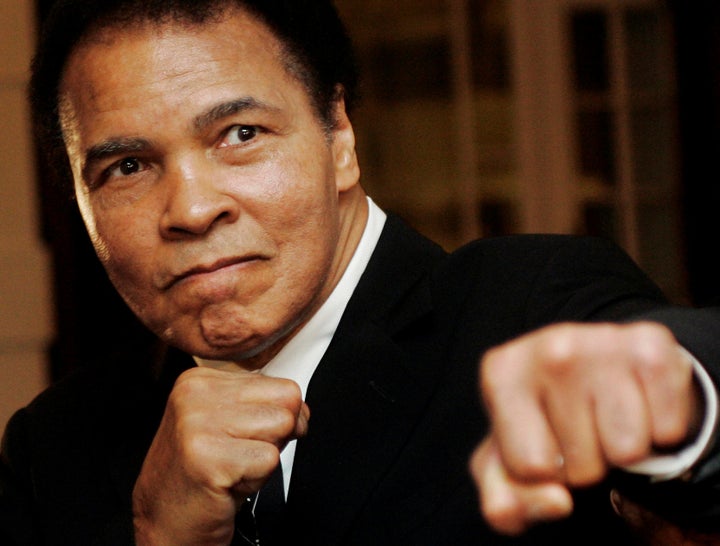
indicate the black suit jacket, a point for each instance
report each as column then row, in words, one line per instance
column 395, row 410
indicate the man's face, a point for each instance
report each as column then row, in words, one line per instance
column 213, row 195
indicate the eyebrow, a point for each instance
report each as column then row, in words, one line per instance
column 230, row 108
column 112, row 147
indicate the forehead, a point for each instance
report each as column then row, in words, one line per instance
column 170, row 57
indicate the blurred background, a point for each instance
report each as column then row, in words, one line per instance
column 478, row 118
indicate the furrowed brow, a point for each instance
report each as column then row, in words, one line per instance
column 230, row 108
column 112, row 148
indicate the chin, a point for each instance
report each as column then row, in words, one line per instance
column 237, row 350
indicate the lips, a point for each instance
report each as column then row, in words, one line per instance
column 213, row 267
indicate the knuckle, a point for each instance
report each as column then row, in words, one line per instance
column 532, row 469
column 266, row 453
column 194, row 454
column 653, row 360
column 651, row 343
column 190, row 384
column 584, row 465
column 627, row 450
column 264, row 456
column 195, row 447
column 476, row 464
column 671, row 432
column 505, row 515
column 585, row 474
column 263, row 421
column 655, row 331
column 494, row 374
column 291, row 393
column 282, row 392
column 558, row 355
column 286, row 421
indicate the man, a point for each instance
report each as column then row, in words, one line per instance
column 313, row 341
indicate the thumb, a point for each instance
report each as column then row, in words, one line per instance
column 510, row 506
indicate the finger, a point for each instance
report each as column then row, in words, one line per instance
column 511, row 507
column 524, row 438
column 622, row 417
column 236, row 406
column 576, row 434
column 564, row 374
column 214, row 464
column 263, row 422
column 666, row 377
column 248, row 467
column 303, row 421
column 269, row 423
column 231, row 385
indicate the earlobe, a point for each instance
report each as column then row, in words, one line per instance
column 344, row 158
column 347, row 170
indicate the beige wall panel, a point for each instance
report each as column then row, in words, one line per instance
column 18, row 209
column 16, row 39
column 20, row 380
column 25, row 309
column 24, row 299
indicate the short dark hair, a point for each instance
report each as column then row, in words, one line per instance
column 317, row 49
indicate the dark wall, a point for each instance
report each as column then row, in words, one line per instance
column 697, row 25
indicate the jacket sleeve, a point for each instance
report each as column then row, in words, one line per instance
column 17, row 511
column 23, row 515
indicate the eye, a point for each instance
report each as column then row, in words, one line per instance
column 127, row 166
column 239, row 134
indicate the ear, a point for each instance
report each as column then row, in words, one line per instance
column 347, row 169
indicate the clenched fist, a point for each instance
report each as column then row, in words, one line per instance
column 219, row 440
column 569, row 402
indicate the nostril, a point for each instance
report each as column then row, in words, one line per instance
column 196, row 221
column 194, row 204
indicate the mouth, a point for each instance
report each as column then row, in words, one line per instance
column 213, row 267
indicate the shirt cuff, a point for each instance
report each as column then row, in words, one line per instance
column 669, row 466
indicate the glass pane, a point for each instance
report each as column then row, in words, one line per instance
column 595, row 145
column 374, row 12
column 589, row 43
column 644, row 39
column 653, row 152
column 406, row 152
column 410, row 69
column 660, row 246
column 497, row 218
column 599, row 221
column 488, row 34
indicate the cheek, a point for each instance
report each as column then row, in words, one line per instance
column 116, row 248
column 308, row 231
column 124, row 248
column 294, row 199
column 308, row 257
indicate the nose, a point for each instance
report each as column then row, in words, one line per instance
column 194, row 202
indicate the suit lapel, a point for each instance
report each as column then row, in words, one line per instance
column 368, row 390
